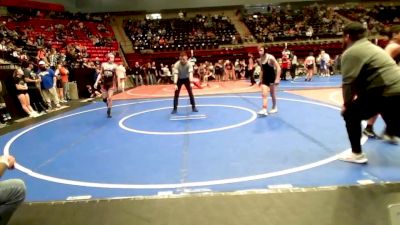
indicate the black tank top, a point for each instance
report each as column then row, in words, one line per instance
column 268, row 71
column 108, row 76
column 21, row 81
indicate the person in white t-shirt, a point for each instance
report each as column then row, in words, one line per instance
column 121, row 76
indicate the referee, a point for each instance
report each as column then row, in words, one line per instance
column 183, row 75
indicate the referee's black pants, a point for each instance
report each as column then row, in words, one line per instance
column 185, row 82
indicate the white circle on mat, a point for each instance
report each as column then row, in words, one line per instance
column 28, row 171
column 251, row 119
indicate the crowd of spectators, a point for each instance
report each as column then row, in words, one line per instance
column 72, row 38
column 199, row 32
column 56, row 40
column 377, row 18
column 286, row 24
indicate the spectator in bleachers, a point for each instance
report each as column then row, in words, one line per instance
column 86, row 64
column 23, row 56
column 286, row 24
column 3, row 46
column 41, row 54
column 161, row 41
column 309, row 32
column 207, row 31
column 97, row 61
column 35, row 33
column 62, row 57
column 31, row 42
column 40, row 40
column 52, row 58
column 16, row 54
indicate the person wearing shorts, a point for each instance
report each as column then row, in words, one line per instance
column 269, row 79
column 107, row 78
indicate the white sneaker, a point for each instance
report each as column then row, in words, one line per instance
column 263, row 112
column 33, row 114
column 36, row 114
column 354, row 158
column 274, row 110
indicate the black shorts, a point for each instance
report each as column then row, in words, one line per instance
column 310, row 67
column 59, row 84
column 269, row 80
column 107, row 86
column 19, row 92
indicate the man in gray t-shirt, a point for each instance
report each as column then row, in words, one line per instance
column 371, row 85
column 183, row 75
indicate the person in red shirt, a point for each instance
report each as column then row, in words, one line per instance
column 41, row 54
column 62, row 82
column 285, row 63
